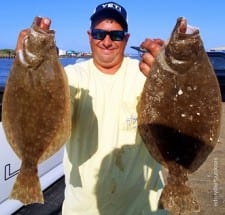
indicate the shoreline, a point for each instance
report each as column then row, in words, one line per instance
column 61, row 56
column 7, row 57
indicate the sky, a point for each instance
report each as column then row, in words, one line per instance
column 146, row 19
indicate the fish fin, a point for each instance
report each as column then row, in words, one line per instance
column 178, row 199
column 27, row 187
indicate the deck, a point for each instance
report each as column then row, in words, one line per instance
column 208, row 182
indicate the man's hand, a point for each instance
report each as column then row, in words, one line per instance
column 153, row 47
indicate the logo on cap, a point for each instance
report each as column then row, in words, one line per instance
column 112, row 5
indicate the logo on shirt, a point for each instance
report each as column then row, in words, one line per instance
column 131, row 122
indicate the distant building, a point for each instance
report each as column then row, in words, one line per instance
column 71, row 53
column 62, row 52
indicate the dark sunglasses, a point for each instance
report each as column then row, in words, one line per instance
column 99, row 34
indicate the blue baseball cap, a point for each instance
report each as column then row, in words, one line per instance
column 111, row 10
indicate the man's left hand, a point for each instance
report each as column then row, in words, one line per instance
column 153, row 47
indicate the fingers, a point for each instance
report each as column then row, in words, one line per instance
column 160, row 42
column 146, row 62
column 153, row 47
column 183, row 26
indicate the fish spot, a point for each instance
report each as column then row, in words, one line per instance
column 180, row 92
column 183, row 115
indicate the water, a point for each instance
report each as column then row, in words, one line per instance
column 5, row 66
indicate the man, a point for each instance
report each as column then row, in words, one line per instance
column 107, row 167
column 108, row 170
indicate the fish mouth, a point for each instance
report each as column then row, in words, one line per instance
column 185, row 28
column 192, row 29
column 42, row 22
column 42, row 26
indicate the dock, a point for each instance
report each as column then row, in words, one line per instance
column 53, row 196
column 208, row 182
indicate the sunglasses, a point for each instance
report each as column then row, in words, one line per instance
column 99, row 34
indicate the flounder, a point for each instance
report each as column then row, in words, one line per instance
column 179, row 113
column 36, row 109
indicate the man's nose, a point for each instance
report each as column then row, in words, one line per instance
column 107, row 40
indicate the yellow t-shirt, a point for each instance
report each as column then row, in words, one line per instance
column 108, row 170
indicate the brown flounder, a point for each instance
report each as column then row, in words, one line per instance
column 179, row 113
column 36, row 109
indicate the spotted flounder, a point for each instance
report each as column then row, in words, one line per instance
column 179, row 113
column 36, row 109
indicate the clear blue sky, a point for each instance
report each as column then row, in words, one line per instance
column 146, row 18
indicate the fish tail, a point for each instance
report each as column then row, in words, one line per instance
column 27, row 187
column 178, row 199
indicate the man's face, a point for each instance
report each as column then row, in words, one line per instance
column 108, row 54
